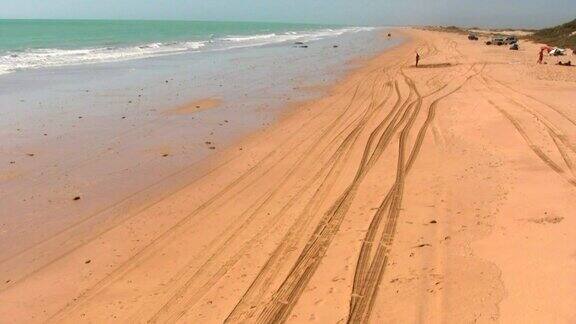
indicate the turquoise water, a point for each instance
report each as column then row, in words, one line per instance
column 27, row 44
column 21, row 35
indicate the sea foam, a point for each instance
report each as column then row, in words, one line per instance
column 52, row 57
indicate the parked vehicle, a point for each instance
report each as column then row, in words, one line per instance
column 497, row 41
column 515, row 47
column 557, row 52
column 472, row 36
column 509, row 40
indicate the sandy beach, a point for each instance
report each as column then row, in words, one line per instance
column 438, row 194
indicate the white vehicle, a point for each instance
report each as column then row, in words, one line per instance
column 557, row 51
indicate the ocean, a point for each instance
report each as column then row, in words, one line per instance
column 28, row 44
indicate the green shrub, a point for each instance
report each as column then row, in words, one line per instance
column 561, row 36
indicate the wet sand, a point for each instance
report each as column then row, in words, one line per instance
column 443, row 193
column 195, row 106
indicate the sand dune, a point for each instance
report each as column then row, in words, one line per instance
column 444, row 193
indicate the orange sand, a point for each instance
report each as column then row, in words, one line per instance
column 444, row 193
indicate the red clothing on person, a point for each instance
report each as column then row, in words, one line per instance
column 541, row 57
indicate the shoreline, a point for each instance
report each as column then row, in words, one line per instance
column 112, row 138
column 284, row 227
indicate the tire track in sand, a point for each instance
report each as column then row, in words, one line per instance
column 155, row 245
column 277, row 309
column 557, row 139
column 178, row 304
column 368, row 275
column 65, row 238
column 245, row 308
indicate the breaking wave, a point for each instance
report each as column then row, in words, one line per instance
column 52, row 57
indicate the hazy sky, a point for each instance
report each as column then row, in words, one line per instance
column 521, row 13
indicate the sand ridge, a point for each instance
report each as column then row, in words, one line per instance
column 401, row 196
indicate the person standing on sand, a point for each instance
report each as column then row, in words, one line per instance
column 541, row 57
column 417, row 58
